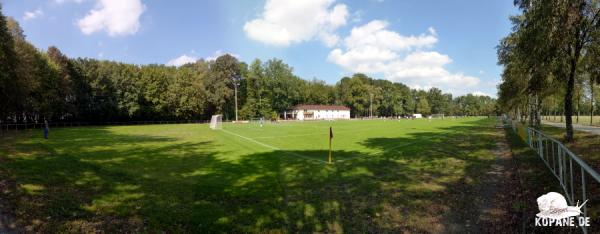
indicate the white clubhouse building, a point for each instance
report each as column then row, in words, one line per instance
column 318, row 112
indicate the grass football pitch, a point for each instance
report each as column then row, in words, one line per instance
column 386, row 176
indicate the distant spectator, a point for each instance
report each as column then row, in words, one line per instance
column 46, row 129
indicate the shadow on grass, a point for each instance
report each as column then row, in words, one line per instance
column 419, row 183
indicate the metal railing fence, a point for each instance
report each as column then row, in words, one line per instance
column 571, row 171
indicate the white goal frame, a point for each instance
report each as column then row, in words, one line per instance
column 216, row 122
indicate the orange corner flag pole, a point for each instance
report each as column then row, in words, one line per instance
column 330, row 139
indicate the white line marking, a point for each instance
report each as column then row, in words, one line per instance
column 325, row 134
column 250, row 139
column 305, row 157
column 272, row 147
column 297, row 135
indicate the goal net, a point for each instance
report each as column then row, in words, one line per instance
column 216, row 122
column 440, row 116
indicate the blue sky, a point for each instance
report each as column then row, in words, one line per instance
column 445, row 44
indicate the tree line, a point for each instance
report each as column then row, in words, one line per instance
column 551, row 61
column 37, row 85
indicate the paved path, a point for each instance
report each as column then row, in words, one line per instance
column 579, row 127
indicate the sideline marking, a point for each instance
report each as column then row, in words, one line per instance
column 314, row 134
column 313, row 159
column 272, row 147
column 252, row 140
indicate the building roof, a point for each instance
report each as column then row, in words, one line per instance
column 319, row 107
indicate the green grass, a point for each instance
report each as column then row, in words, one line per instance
column 387, row 176
column 586, row 145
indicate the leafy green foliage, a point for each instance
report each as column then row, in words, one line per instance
column 7, row 69
column 37, row 85
column 547, row 57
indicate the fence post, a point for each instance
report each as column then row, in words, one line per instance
column 541, row 146
column 559, row 156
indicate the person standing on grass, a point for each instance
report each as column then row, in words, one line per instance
column 46, row 129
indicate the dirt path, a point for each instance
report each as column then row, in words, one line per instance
column 498, row 195
column 489, row 204
column 6, row 222
column 6, row 226
column 6, row 217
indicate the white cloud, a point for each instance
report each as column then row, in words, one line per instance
column 375, row 34
column 192, row 58
column 181, row 60
column 29, row 15
column 117, row 17
column 479, row 93
column 286, row 22
column 64, row 1
column 219, row 53
column 373, row 49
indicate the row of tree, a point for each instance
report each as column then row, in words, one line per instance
column 37, row 85
column 551, row 61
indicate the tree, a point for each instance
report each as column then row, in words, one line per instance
column 545, row 48
column 354, row 93
column 569, row 26
column 8, row 61
column 223, row 75
column 64, row 83
column 37, row 84
column 186, row 94
column 256, row 91
column 438, row 101
column 318, row 92
column 513, row 89
column 423, row 106
column 591, row 61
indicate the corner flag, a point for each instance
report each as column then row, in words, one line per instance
column 330, row 139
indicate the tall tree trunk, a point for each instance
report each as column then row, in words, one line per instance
column 531, row 110
column 538, row 111
column 578, row 104
column 569, row 99
column 592, row 80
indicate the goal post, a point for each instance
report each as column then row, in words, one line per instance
column 216, row 122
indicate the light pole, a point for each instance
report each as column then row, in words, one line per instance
column 371, row 106
column 235, row 85
column 416, row 103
